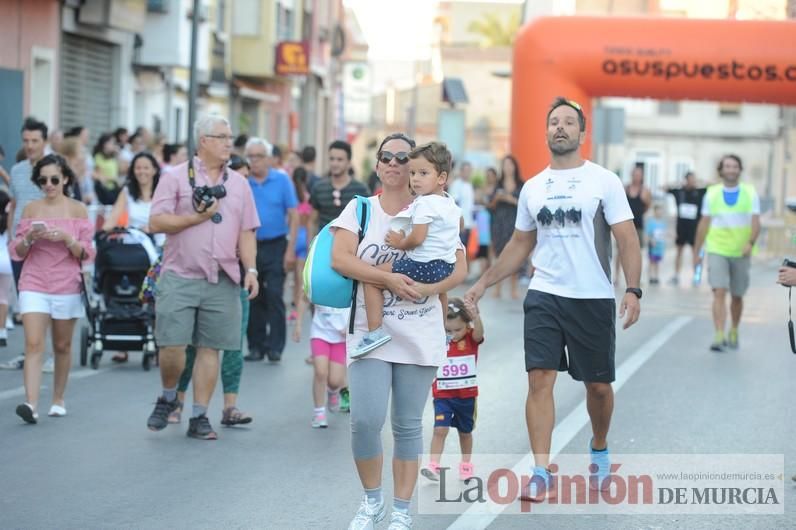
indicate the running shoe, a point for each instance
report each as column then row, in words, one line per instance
column 368, row 514
column 465, row 470
column 319, row 421
column 400, row 521
column 199, row 428
column 600, row 469
column 718, row 343
column 159, row 418
column 431, row 471
column 333, row 401
column 538, row 488
column 345, row 400
column 49, row 366
column 26, row 412
column 14, row 364
column 371, row 341
column 176, row 415
column 732, row 339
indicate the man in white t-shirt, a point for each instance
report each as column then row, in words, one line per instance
column 565, row 216
column 463, row 193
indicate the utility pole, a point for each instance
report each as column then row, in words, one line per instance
column 193, row 92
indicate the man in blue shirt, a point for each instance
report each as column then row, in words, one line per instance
column 275, row 198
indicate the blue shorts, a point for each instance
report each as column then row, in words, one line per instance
column 458, row 413
column 301, row 243
column 424, row 272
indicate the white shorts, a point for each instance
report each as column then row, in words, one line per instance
column 58, row 306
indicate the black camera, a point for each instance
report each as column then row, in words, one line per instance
column 208, row 194
column 789, row 263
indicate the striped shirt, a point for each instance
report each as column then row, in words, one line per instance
column 22, row 189
column 323, row 199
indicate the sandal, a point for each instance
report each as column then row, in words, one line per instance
column 120, row 357
column 233, row 416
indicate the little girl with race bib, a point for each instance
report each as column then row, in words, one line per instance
column 428, row 230
column 327, row 344
column 456, row 388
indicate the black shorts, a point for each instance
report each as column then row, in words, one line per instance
column 585, row 327
column 686, row 235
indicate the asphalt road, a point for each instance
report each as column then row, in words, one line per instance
column 101, row 468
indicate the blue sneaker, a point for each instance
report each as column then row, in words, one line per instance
column 538, row 487
column 371, row 341
column 600, row 468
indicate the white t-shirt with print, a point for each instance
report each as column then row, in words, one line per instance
column 418, row 334
column 463, row 193
column 572, row 211
column 329, row 324
column 442, row 216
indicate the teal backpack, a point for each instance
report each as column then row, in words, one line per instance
column 322, row 284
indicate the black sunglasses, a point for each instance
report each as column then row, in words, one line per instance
column 42, row 181
column 402, row 157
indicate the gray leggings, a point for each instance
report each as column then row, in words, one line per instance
column 370, row 382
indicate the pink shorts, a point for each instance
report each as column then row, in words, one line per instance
column 334, row 352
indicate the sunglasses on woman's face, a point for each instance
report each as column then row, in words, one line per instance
column 42, row 181
column 402, row 157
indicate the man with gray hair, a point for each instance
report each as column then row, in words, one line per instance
column 208, row 214
column 275, row 198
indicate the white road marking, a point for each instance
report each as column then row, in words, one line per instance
column 478, row 516
column 78, row 374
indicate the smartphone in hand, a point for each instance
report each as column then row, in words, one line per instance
column 39, row 226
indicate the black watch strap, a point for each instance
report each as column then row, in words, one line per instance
column 635, row 290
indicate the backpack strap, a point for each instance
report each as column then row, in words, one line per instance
column 363, row 212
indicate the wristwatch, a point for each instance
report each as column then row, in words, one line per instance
column 253, row 271
column 635, row 290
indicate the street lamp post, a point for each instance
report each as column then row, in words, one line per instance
column 192, row 91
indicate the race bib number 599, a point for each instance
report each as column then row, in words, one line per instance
column 457, row 372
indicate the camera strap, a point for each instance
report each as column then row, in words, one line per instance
column 790, row 323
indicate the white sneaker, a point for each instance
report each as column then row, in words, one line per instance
column 319, row 421
column 27, row 413
column 49, row 366
column 57, row 411
column 400, row 521
column 14, row 364
column 368, row 514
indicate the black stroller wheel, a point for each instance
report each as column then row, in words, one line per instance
column 84, row 346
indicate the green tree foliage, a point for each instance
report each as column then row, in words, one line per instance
column 494, row 32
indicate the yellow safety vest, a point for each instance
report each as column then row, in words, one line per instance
column 730, row 226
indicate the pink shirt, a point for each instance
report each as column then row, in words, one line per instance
column 202, row 250
column 49, row 266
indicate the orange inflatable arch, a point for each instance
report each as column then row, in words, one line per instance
column 585, row 57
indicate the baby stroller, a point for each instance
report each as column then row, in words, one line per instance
column 117, row 320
